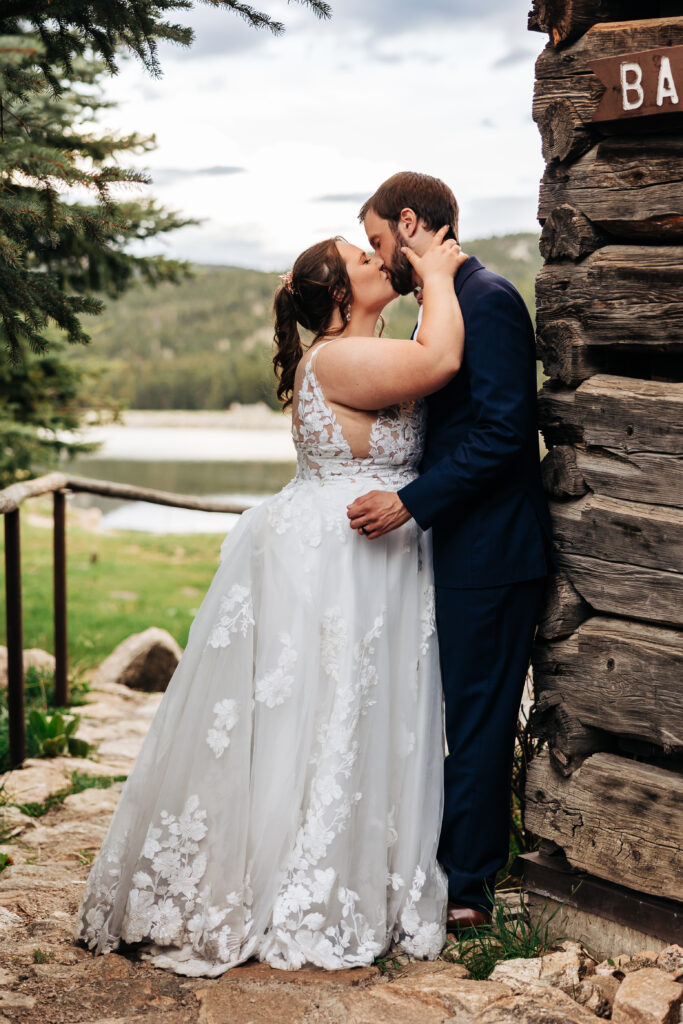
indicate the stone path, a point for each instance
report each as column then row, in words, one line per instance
column 46, row 979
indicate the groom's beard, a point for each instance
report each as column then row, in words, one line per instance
column 400, row 272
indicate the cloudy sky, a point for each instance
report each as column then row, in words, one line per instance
column 274, row 141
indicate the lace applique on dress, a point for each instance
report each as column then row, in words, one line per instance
column 227, row 717
column 275, row 687
column 396, row 438
column 236, row 615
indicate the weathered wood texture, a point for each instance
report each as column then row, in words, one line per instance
column 630, row 591
column 628, row 187
column 657, row 479
column 568, row 471
column 591, row 315
column 563, row 610
column 562, row 345
column 613, row 817
column 559, row 417
column 568, row 740
column 618, row 676
column 561, row 475
column 566, row 20
column 621, row 414
column 566, row 83
column 568, row 234
column 620, row 531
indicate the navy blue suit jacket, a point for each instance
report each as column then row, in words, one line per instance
column 480, row 485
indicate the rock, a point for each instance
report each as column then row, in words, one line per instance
column 37, row 779
column 648, row 996
column 9, row 922
column 464, row 998
column 597, row 994
column 671, row 960
column 14, row 822
column 537, row 1004
column 143, row 661
column 15, row 1001
column 90, row 803
column 33, row 658
column 620, row 966
column 564, row 969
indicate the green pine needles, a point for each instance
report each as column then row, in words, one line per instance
column 67, row 218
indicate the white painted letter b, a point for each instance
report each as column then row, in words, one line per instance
column 633, row 86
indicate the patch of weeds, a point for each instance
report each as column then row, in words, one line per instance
column 79, row 782
column 39, row 695
column 86, row 856
column 511, row 935
column 40, row 956
column 5, row 861
column 56, row 734
column 392, row 962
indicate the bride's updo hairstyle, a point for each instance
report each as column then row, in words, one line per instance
column 317, row 285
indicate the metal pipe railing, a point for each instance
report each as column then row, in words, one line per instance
column 11, row 499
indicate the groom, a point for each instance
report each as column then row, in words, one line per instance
column 480, row 492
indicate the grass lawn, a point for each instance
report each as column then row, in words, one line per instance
column 117, row 584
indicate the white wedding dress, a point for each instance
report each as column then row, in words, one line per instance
column 286, row 802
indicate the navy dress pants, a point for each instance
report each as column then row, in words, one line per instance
column 485, row 639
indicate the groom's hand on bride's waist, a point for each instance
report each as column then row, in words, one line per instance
column 377, row 513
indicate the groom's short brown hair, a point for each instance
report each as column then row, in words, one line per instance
column 429, row 198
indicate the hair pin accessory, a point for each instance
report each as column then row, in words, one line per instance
column 287, row 281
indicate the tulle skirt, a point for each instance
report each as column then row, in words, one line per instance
column 286, row 802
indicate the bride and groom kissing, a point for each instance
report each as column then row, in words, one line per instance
column 291, row 800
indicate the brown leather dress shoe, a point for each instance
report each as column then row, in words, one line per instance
column 459, row 918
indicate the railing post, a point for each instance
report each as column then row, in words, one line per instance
column 15, row 640
column 59, row 579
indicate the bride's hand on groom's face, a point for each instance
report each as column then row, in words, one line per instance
column 442, row 258
column 377, row 513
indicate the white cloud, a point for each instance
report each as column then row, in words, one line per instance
column 329, row 110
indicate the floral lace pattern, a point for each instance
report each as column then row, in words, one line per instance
column 275, row 687
column 166, row 904
column 427, row 617
column 236, row 616
column 396, row 438
column 302, row 907
column 227, row 717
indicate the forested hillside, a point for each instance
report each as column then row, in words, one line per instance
column 206, row 342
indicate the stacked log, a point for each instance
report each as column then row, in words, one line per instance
column 608, row 657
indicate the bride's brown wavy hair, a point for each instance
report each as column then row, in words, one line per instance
column 319, row 285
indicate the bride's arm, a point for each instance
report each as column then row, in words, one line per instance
column 372, row 373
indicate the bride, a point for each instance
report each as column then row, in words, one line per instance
column 286, row 802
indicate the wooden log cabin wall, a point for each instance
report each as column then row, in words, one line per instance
column 608, row 790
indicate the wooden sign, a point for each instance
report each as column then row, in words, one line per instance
column 640, row 84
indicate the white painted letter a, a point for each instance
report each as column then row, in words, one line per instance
column 666, row 87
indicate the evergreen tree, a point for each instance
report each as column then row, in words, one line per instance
column 64, row 234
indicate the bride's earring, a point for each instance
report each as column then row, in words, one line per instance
column 348, row 314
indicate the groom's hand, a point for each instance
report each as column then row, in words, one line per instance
column 377, row 513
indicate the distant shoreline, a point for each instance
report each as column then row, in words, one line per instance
column 237, row 417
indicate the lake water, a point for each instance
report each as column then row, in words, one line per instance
column 245, row 465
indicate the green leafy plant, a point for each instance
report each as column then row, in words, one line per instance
column 5, row 861
column 511, row 935
column 40, row 956
column 55, row 734
column 39, row 689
